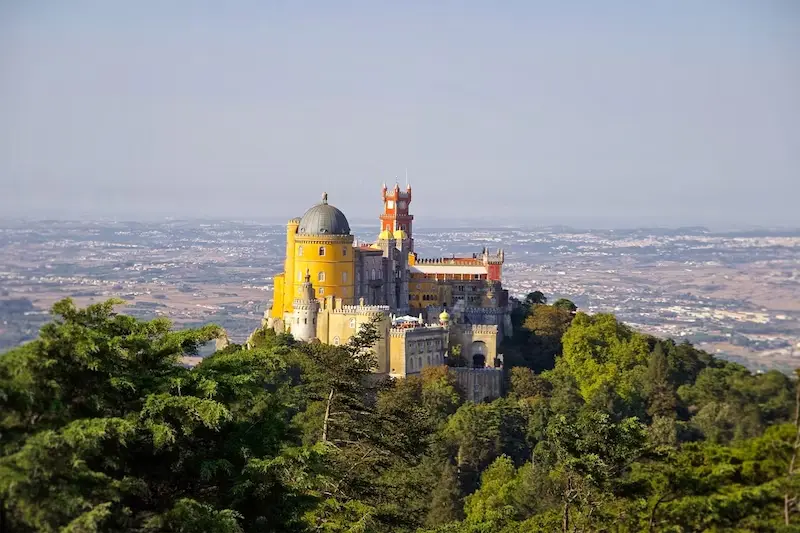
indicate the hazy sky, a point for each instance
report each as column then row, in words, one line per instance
column 586, row 113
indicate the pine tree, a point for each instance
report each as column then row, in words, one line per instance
column 661, row 397
column 446, row 499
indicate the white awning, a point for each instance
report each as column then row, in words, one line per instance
column 447, row 269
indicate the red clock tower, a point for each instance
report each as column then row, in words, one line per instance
column 395, row 212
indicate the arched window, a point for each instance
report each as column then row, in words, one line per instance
column 321, row 250
column 321, row 276
column 321, row 291
column 420, row 362
column 411, row 363
column 429, row 360
column 372, row 275
column 344, row 251
column 344, row 277
column 336, row 341
column 300, row 250
column 352, row 323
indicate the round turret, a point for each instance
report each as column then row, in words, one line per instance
column 304, row 315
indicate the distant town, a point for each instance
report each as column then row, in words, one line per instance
column 736, row 295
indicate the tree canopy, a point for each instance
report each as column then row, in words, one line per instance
column 602, row 429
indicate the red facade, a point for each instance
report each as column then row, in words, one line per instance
column 396, row 212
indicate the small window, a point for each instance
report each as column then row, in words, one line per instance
column 300, row 250
column 344, row 251
column 305, row 321
column 336, row 341
column 429, row 360
column 321, row 250
column 321, row 276
column 372, row 275
column 420, row 362
column 411, row 363
column 352, row 323
column 344, row 277
column 321, row 290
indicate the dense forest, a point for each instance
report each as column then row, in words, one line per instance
column 602, row 429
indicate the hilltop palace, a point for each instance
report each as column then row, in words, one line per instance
column 331, row 284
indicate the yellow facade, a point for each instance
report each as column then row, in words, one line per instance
column 337, row 323
column 277, row 297
column 331, row 263
column 413, row 349
column 288, row 292
column 424, row 292
column 397, row 355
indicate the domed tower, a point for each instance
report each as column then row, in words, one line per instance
column 304, row 315
column 323, row 249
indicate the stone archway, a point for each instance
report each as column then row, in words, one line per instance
column 478, row 352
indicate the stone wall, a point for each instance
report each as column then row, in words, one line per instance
column 474, row 339
column 479, row 384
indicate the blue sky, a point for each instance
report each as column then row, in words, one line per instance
column 583, row 113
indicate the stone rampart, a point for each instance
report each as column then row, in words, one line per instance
column 479, row 384
column 361, row 309
column 422, row 330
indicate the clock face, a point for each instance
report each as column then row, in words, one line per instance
column 401, row 204
column 390, row 204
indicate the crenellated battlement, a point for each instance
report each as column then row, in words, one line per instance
column 361, row 309
column 417, row 331
column 456, row 261
column 479, row 329
column 477, row 259
column 470, row 310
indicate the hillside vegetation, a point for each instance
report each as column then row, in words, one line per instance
column 603, row 429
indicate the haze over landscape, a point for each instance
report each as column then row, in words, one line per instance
column 589, row 114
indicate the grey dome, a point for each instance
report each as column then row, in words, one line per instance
column 324, row 219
